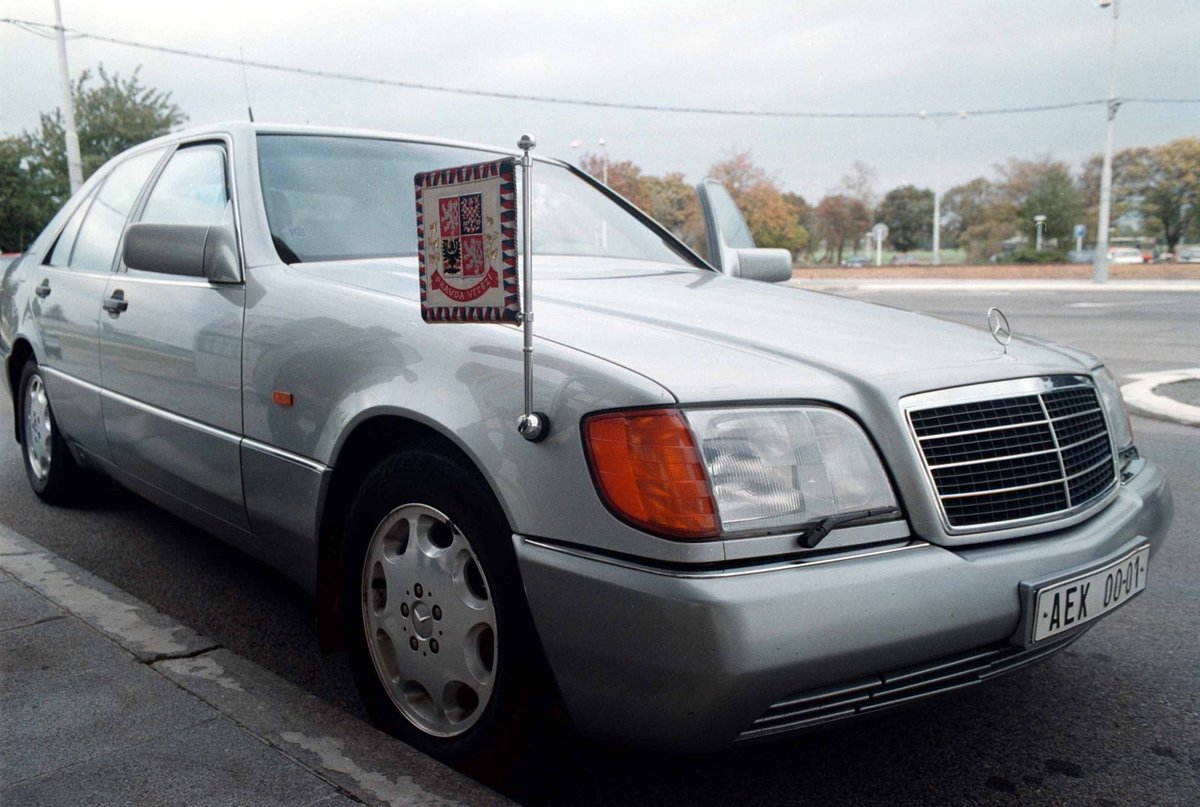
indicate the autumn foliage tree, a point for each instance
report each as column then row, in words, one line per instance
column 774, row 221
column 840, row 219
column 1164, row 183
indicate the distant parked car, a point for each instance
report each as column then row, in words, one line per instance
column 1081, row 256
column 1125, row 255
column 1189, row 255
column 855, row 262
column 906, row 260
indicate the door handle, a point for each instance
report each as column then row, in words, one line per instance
column 43, row 290
column 116, row 304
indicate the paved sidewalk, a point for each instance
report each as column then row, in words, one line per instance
column 105, row 701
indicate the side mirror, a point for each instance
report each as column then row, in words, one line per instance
column 730, row 244
column 188, row 250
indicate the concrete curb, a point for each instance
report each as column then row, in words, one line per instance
column 969, row 285
column 1140, row 396
column 312, row 736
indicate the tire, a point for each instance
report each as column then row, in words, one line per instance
column 437, row 628
column 52, row 471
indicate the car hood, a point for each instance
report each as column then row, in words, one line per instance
column 707, row 338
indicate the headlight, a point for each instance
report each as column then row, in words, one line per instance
column 782, row 467
column 1114, row 406
column 710, row 473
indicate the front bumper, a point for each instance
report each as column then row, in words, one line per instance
column 691, row 660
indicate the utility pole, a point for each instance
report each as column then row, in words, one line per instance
column 1100, row 262
column 74, row 163
column 937, row 197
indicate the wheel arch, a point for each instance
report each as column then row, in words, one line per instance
column 367, row 443
column 22, row 351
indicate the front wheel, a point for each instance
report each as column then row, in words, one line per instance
column 437, row 628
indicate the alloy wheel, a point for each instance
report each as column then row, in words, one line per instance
column 429, row 620
column 39, row 428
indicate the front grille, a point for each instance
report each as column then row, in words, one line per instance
column 875, row 693
column 1017, row 458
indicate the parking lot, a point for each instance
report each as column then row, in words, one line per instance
column 1113, row 720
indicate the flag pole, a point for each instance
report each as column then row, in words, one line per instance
column 533, row 426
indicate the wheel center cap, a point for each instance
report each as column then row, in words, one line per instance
column 422, row 620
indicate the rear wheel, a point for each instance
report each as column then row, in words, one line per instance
column 436, row 625
column 49, row 466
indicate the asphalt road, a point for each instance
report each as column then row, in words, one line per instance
column 1114, row 720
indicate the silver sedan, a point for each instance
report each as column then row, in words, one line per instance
column 757, row 509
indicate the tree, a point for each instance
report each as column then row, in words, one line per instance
column 673, row 204
column 840, row 218
column 803, row 212
column 110, row 116
column 860, row 184
column 738, row 173
column 908, row 213
column 1164, row 183
column 772, row 220
column 965, row 206
column 1042, row 187
column 624, row 177
column 25, row 201
column 1123, row 205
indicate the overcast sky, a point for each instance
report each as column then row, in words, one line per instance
column 815, row 55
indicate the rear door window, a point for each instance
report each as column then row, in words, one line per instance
column 96, row 246
column 61, row 254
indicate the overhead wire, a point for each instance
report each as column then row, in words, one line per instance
column 41, row 29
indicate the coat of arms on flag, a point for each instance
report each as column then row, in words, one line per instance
column 467, row 243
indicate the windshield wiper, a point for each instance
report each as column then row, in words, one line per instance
column 817, row 532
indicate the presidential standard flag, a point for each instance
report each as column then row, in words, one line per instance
column 467, row 243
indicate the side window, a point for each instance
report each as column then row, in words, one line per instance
column 61, row 254
column 101, row 231
column 191, row 189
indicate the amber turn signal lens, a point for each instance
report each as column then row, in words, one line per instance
column 649, row 472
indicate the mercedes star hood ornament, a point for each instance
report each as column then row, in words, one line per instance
column 998, row 325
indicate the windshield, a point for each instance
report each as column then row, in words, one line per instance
column 335, row 198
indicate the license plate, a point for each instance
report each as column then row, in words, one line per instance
column 1064, row 606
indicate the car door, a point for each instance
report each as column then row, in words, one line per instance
column 69, row 287
column 170, row 353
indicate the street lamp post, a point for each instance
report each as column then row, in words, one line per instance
column 1100, row 264
column 937, row 186
column 603, row 144
column 937, row 197
column 1039, row 223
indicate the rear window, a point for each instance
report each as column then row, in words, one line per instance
column 96, row 244
column 334, row 198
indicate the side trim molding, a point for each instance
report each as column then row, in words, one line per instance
column 212, row 431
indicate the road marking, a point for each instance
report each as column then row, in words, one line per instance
column 1140, row 396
